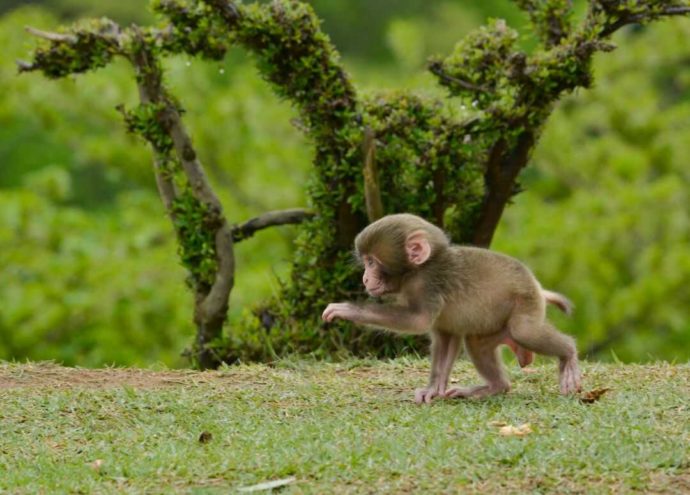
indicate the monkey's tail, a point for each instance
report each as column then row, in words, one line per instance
column 558, row 300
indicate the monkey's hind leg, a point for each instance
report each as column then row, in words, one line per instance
column 484, row 355
column 542, row 337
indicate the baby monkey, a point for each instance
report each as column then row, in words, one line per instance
column 456, row 293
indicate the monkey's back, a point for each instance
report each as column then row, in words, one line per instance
column 486, row 287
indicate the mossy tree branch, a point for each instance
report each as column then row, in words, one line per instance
column 269, row 219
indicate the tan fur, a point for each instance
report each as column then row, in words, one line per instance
column 458, row 294
column 559, row 300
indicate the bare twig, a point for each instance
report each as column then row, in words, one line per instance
column 269, row 219
column 436, row 68
column 56, row 37
column 25, row 66
column 372, row 192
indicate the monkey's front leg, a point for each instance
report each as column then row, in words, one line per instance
column 444, row 350
column 397, row 318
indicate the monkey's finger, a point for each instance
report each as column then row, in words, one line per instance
column 332, row 315
column 330, row 312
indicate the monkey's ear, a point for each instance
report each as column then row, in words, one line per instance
column 417, row 247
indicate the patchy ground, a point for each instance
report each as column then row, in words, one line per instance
column 339, row 428
column 50, row 375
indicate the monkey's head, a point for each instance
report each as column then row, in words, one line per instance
column 395, row 246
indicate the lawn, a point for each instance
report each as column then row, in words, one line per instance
column 339, row 428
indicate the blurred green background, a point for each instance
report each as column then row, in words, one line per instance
column 88, row 268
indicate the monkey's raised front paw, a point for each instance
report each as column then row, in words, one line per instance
column 426, row 395
column 344, row 311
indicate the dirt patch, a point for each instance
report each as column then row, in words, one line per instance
column 662, row 482
column 50, row 375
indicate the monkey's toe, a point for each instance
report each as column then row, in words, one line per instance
column 425, row 395
column 477, row 391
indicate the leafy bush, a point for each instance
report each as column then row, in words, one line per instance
column 605, row 217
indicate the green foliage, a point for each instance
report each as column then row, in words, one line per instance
column 194, row 29
column 551, row 19
column 76, row 290
column 144, row 121
column 481, row 64
column 301, row 63
column 89, row 50
column 346, row 428
column 605, row 217
column 197, row 250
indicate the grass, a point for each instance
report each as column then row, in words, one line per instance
column 338, row 428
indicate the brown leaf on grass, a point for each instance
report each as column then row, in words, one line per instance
column 593, row 395
column 515, row 431
column 205, row 437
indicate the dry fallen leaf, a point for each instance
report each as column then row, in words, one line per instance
column 593, row 395
column 497, row 423
column 268, row 485
column 515, row 431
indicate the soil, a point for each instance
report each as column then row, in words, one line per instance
column 51, row 375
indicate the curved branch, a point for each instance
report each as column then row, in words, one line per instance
column 269, row 219
column 610, row 28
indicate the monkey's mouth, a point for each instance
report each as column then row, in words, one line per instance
column 377, row 291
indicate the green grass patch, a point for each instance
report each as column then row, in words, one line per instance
column 339, row 428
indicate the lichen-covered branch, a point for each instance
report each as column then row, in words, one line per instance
column 608, row 16
column 269, row 219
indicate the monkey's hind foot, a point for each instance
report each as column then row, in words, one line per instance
column 570, row 377
column 477, row 391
